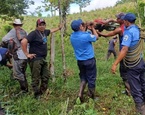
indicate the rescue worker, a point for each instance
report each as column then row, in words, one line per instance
column 82, row 44
column 131, row 54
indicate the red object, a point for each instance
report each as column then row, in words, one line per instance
column 99, row 21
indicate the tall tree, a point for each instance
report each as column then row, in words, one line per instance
column 50, row 5
column 14, row 7
column 82, row 3
column 139, row 9
column 123, row 1
column 140, row 6
column 63, row 6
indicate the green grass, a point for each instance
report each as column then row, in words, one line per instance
column 61, row 98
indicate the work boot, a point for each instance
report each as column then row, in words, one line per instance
column 23, row 85
column 127, row 86
column 37, row 92
column 37, row 95
column 140, row 108
column 81, row 91
column 91, row 93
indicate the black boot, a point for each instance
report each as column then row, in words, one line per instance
column 91, row 94
column 23, row 85
column 81, row 91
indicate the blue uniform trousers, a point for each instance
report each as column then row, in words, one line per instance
column 88, row 71
column 136, row 80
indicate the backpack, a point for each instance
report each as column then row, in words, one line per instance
column 13, row 44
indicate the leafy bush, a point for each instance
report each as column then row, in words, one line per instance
column 7, row 28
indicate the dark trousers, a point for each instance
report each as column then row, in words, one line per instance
column 109, row 53
column 88, row 71
column 4, row 60
column 40, row 75
column 123, row 71
column 136, row 80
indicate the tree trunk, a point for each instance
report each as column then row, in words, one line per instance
column 62, row 40
column 80, row 9
column 52, row 56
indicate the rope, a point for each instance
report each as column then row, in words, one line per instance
column 133, row 56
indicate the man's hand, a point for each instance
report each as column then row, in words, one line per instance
column 60, row 26
column 31, row 56
column 113, row 69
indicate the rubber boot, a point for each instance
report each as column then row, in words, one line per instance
column 91, row 93
column 127, row 86
column 24, row 85
column 140, row 108
column 81, row 91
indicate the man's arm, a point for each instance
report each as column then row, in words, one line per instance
column 9, row 57
column 94, row 32
column 24, row 44
column 122, row 54
column 112, row 33
column 56, row 29
column 109, row 20
column 92, row 29
column 115, row 41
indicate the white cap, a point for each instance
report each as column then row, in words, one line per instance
column 17, row 22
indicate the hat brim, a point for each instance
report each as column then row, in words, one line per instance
column 41, row 22
column 15, row 24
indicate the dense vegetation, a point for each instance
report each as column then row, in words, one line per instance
column 61, row 97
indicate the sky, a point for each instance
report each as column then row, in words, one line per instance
column 95, row 4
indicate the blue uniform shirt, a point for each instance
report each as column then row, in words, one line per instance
column 82, row 45
column 3, row 51
column 131, row 36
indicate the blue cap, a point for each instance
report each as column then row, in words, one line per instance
column 75, row 25
column 129, row 17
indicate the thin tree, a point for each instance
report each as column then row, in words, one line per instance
column 82, row 3
column 137, row 10
column 62, row 17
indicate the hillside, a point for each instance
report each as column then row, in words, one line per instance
column 61, row 98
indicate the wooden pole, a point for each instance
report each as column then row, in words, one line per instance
column 52, row 56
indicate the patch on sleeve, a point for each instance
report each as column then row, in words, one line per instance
column 125, row 38
column 92, row 36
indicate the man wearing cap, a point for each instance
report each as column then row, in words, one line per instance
column 119, row 31
column 37, row 40
column 82, row 44
column 19, row 60
column 131, row 54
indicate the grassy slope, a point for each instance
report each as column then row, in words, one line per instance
column 61, row 99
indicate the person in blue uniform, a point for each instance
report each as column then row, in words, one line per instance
column 81, row 41
column 133, row 60
column 5, row 58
